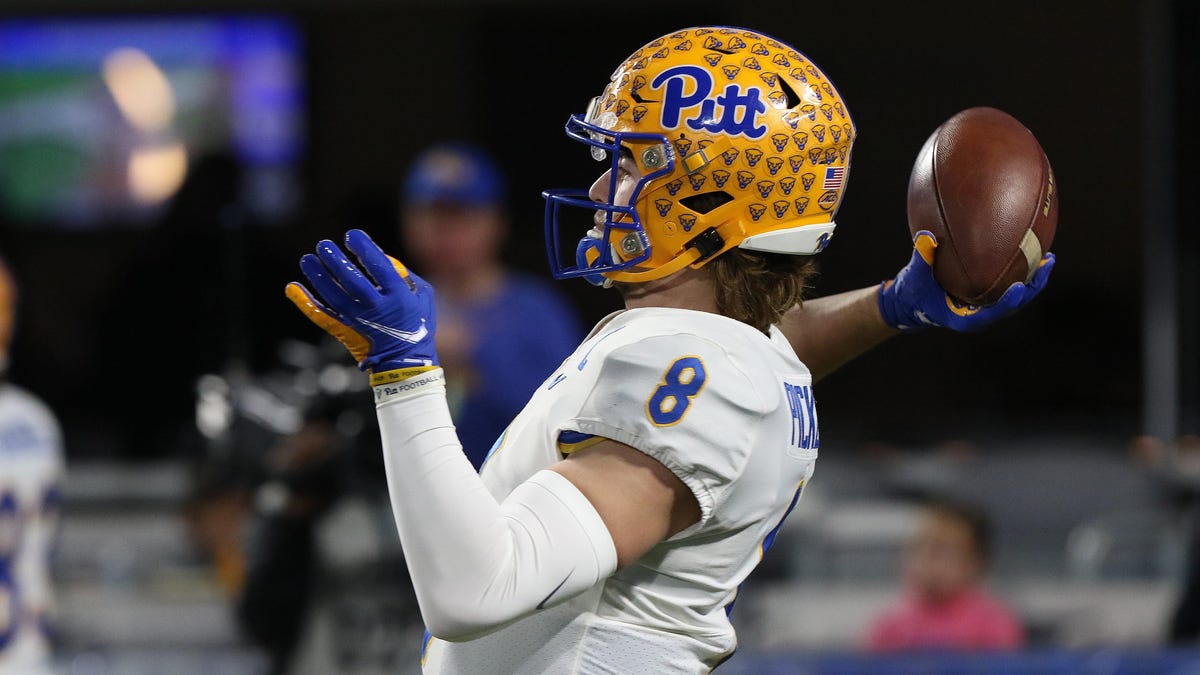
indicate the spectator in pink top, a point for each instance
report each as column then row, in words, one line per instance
column 945, row 605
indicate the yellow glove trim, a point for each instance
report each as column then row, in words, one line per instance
column 961, row 309
column 398, row 375
column 355, row 343
column 925, row 245
column 403, row 272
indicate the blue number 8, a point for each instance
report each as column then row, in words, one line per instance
column 680, row 384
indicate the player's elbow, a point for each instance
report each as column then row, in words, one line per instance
column 458, row 621
column 455, row 630
column 452, row 629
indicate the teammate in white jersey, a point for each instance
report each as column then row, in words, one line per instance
column 614, row 521
column 31, row 472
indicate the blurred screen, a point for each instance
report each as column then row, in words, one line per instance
column 100, row 118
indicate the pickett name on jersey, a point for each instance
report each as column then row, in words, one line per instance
column 804, row 416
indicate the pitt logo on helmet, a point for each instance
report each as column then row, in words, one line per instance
column 739, row 110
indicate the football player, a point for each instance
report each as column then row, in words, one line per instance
column 615, row 519
column 32, row 465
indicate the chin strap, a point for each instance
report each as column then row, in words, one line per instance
column 701, row 247
column 680, row 261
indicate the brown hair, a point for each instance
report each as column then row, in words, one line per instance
column 757, row 288
column 969, row 514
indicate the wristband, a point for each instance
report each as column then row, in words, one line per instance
column 398, row 374
column 432, row 380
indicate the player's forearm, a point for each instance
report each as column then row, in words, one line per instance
column 477, row 564
column 830, row 331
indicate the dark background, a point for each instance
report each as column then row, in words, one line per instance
column 116, row 325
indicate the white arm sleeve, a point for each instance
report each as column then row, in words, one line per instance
column 475, row 563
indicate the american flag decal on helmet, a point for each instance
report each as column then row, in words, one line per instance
column 834, row 175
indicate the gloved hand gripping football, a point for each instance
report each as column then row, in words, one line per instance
column 386, row 320
column 914, row 300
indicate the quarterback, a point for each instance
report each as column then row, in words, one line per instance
column 615, row 519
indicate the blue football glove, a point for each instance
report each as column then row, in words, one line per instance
column 387, row 320
column 914, row 300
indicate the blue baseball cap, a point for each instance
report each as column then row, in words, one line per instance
column 455, row 173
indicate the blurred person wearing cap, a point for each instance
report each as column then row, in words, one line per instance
column 323, row 589
column 501, row 331
column 31, row 471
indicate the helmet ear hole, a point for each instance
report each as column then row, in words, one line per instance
column 707, row 201
column 793, row 99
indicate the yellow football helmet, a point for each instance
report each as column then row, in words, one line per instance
column 741, row 141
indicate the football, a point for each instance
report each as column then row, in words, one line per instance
column 982, row 184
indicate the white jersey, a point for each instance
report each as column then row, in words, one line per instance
column 31, row 473
column 730, row 412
